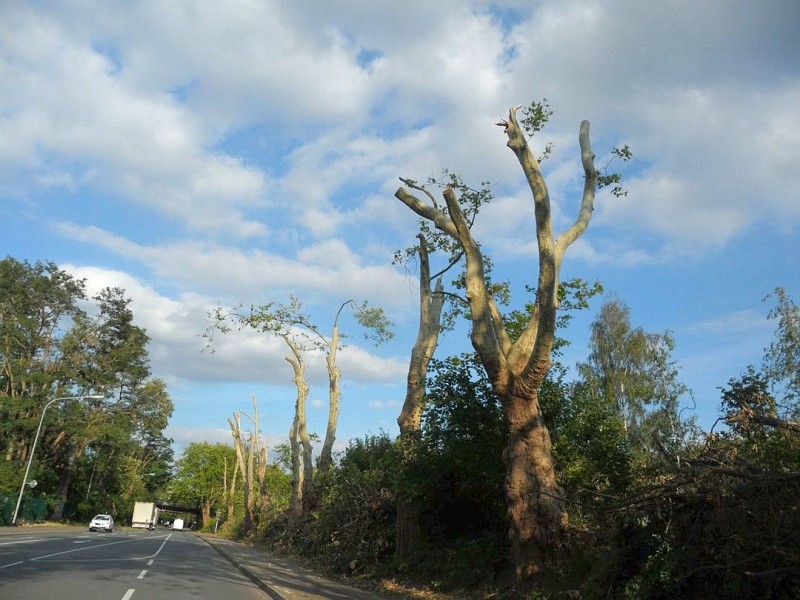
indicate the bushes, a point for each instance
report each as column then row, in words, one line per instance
column 353, row 528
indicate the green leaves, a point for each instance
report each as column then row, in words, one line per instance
column 782, row 356
column 535, row 117
column 376, row 324
column 606, row 179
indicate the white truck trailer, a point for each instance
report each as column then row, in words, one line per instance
column 145, row 514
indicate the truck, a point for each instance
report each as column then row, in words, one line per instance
column 145, row 514
column 177, row 524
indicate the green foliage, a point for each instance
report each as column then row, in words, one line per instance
column 37, row 301
column 376, row 324
column 201, row 474
column 720, row 519
column 534, row 117
column 782, row 357
column 606, row 179
column 92, row 453
column 457, row 478
column 290, row 319
column 635, row 370
column 590, row 446
column 354, row 526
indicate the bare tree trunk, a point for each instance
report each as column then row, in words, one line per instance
column 205, row 510
column 232, row 494
column 265, row 494
column 259, row 455
column 334, row 396
column 300, row 443
column 296, row 499
column 245, row 462
column 408, row 534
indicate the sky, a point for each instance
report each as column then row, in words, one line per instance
column 200, row 153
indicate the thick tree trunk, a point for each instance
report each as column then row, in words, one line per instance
column 408, row 528
column 536, row 512
column 296, row 499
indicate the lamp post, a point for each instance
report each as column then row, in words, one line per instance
column 33, row 448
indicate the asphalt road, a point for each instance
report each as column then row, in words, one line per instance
column 54, row 564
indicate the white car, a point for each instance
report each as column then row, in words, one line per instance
column 102, row 522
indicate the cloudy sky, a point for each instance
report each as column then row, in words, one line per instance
column 201, row 153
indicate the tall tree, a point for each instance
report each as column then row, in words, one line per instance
column 634, row 370
column 300, row 447
column 431, row 302
column 49, row 348
column 38, row 303
column 109, row 352
column 517, row 368
column 252, row 457
column 782, row 356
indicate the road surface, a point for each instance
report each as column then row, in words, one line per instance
column 66, row 564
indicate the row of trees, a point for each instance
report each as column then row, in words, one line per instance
column 657, row 508
column 618, row 425
column 97, row 454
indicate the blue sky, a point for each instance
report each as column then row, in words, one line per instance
column 201, row 153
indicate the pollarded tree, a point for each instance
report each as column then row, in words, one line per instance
column 517, row 366
column 291, row 323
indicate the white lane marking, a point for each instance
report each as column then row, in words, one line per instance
column 142, row 574
column 101, row 546
column 19, row 562
column 21, row 542
column 128, row 594
column 162, row 546
column 150, row 562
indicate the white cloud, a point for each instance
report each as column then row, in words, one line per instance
column 241, row 152
column 180, row 351
column 233, row 275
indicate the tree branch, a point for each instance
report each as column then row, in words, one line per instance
column 489, row 338
column 440, row 220
column 589, row 190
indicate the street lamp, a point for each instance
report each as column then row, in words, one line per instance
column 33, row 448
